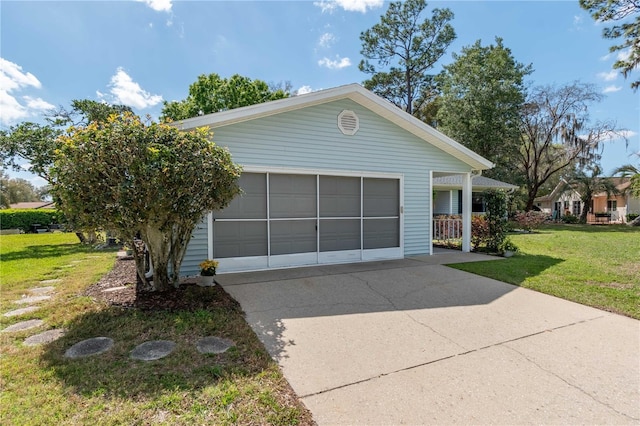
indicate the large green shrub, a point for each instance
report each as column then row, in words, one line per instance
column 496, row 202
column 24, row 218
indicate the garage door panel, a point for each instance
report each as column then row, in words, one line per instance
column 240, row 239
column 292, row 196
column 337, row 234
column 381, row 233
column 252, row 203
column 339, row 196
column 293, row 236
column 381, row 197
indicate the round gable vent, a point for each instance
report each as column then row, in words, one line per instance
column 348, row 122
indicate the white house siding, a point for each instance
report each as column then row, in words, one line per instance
column 309, row 139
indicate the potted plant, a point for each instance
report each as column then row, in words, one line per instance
column 207, row 272
column 508, row 248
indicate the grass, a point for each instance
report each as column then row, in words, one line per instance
column 597, row 266
column 40, row 386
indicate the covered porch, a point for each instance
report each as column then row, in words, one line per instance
column 453, row 206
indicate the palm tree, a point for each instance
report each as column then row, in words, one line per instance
column 629, row 170
column 634, row 187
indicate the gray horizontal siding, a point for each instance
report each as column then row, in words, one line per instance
column 197, row 250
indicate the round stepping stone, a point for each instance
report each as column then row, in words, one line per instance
column 94, row 346
column 23, row 325
column 21, row 311
column 31, row 299
column 44, row 337
column 213, row 345
column 57, row 280
column 155, row 349
column 42, row 290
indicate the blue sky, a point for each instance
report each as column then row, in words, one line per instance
column 140, row 53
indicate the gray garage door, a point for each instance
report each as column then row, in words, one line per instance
column 296, row 219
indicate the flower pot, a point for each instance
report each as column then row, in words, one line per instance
column 206, row 281
column 508, row 253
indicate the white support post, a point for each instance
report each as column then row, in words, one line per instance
column 466, row 212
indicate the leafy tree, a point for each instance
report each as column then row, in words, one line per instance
column 482, row 94
column 588, row 182
column 627, row 14
column 212, row 93
column 411, row 45
column 151, row 180
column 555, row 133
column 16, row 191
column 36, row 142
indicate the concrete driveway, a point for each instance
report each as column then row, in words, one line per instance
column 415, row 342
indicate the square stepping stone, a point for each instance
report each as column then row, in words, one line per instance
column 88, row 347
column 23, row 325
column 150, row 351
column 213, row 345
column 44, row 337
column 31, row 299
column 21, row 311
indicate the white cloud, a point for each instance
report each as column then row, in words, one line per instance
column 158, row 5
column 608, row 76
column 12, row 79
column 326, row 40
column 611, row 89
column 348, row 5
column 616, row 135
column 127, row 92
column 304, row 90
column 335, row 65
column 624, row 55
column 37, row 103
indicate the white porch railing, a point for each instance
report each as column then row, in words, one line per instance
column 447, row 230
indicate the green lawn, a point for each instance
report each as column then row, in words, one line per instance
column 40, row 386
column 597, row 266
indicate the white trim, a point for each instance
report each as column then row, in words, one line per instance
column 324, row 172
column 342, row 256
column 431, row 208
column 467, row 193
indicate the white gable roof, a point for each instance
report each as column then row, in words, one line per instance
column 356, row 93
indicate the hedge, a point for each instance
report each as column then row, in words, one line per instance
column 24, row 218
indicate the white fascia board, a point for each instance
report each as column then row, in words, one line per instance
column 356, row 93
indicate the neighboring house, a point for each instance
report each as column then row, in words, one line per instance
column 565, row 199
column 34, row 205
column 618, row 205
column 448, row 195
column 339, row 175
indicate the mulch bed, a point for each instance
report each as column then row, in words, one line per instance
column 118, row 288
